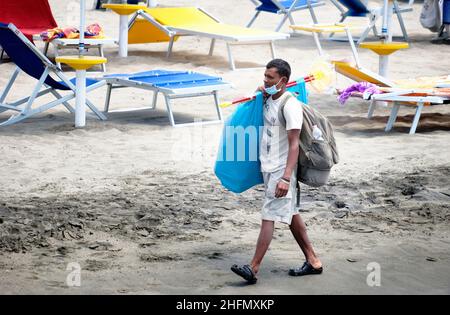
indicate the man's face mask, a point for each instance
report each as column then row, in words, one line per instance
column 272, row 90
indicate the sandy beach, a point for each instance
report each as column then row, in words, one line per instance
column 135, row 203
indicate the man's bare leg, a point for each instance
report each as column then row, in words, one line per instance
column 298, row 229
column 264, row 239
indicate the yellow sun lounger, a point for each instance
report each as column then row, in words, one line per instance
column 154, row 25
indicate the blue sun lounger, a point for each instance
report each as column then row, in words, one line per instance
column 32, row 62
column 285, row 8
column 356, row 8
column 173, row 85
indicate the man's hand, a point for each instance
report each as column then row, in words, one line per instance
column 262, row 90
column 281, row 190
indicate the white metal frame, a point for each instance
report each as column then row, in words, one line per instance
column 400, row 98
column 147, row 2
column 347, row 29
column 287, row 12
column 172, row 32
column 169, row 95
column 27, row 110
column 375, row 14
column 66, row 43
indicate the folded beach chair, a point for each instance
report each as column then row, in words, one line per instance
column 285, row 8
column 173, row 85
column 357, row 8
column 32, row 62
column 168, row 24
column 406, row 92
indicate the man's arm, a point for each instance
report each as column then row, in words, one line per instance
column 292, row 159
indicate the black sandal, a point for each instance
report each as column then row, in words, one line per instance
column 306, row 269
column 245, row 272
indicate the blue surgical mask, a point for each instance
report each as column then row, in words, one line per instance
column 272, row 90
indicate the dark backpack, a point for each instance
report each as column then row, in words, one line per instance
column 316, row 156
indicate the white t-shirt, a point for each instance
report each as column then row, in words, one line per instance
column 274, row 145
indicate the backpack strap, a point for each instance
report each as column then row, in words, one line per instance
column 286, row 97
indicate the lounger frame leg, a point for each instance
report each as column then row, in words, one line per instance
column 272, row 50
column 339, row 7
column 169, row 98
column 353, row 47
column 216, row 101
column 36, row 90
column 155, row 100
column 94, row 109
column 230, row 57
column 373, row 105
column 416, row 119
column 59, row 96
column 280, row 25
column 211, row 48
column 108, row 97
column 56, row 51
column 47, row 44
column 9, row 85
column 253, row 18
column 392, row 117
column 318, row 45
column 169, row 50
column 169, row 110
column 400, row 21
column 372, row 22
column 291, row 18
column 101, row 53
column 311, row 11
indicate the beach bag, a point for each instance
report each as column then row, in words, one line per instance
column 237, row 165
column 318, row 150
column 431, row 15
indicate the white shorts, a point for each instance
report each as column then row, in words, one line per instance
column 279, row 209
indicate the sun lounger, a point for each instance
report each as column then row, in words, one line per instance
column 410, row 97
column 68, row 43
column 173, row 85
column 356, row 8
column 154, row 25
column 32, row 62
column 318, row 29
column 285, row 8
column 401, row 94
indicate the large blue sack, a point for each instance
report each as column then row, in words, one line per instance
column 237, row 166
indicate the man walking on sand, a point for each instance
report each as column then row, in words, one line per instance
column 279, row 149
